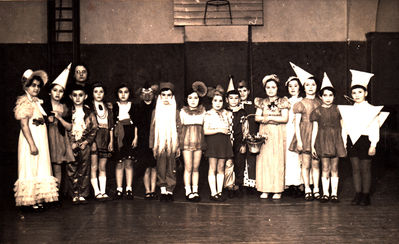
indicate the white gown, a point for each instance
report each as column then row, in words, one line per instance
column 35, row 183
column 292, row 159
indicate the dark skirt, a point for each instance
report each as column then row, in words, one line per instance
column 360, row 149
column 102, row 141
column 146, row 158
column 126, row 151
column 218, row 146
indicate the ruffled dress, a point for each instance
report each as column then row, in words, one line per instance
column 192, row 133
column 270, row 162
column 35, row 183
column 304, row 107
column 329, row 142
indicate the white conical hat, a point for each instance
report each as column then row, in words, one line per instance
column 231, row 85
column 302, row 75
column 63, row 77
column 326, row 82
column 356, row 123
column 360, row 78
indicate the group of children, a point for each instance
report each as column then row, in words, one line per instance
column 298, row 132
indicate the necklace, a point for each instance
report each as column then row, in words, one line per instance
column 101, row 113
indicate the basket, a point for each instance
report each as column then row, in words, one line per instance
column 255, row 145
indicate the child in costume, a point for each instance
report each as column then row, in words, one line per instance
column 234, row 169
column 272, row 114
column 126, row 139
column 217, row 124
column 145, row 108
column 103, row 143
column 250, row 158
column 35, row 184
column 301, row 143
column 82, row 135
column 164, row 140
column 192, row 140
column 60, row 147
column 293, row 176
column 327, row 143
column 362, row 122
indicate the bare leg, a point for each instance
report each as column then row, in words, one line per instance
column 316, row 174
column 305, row 171
column 119, row 174
column 146, row 180
column 195, row 174
column 188, row 168
column 57, row 173
column 128, row 172
column 153, row 179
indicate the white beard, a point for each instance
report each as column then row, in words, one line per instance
column 165, row 136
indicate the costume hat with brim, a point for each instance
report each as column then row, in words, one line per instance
column 291, row 78
column 302, row 75
column 63, row 77
column 360, row 78
column 29, row 74
column 166, row 86
column 270, row 77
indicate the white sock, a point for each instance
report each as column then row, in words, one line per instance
column 334, row 186
column 169, row 192
column 128, row 188
column 94, row 183
column 316, row 189
column 163, row 189
column 103, row 183
column 188, row 189
column 212, row 184
column 195, row 188
column 326, row 185
column 119, row 189
column 220, row 180
column 307, row 190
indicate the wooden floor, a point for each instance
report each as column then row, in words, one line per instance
column 246, row 220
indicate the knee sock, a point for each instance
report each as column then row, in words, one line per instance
column 195, row 188
column 220, row 180
column 326, row 185
column 334, row 186
column 212, row 184
column 188, row 189
column 94, row 183
column 103, row 183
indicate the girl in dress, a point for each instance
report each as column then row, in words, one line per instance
column 217, row 124
column 272, row 114
column 35, row 183
column 60, row 146
column 192, row 138
column 126, row 140
column 301, row 143
column 103, row 143
column 327, row 143
column 293, row 178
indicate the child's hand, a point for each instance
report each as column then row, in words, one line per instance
column 178, row 153
column 74, row 145
column 34, row 150
column 299, row 146
column 134, row 143
column 314, row 154
column 83, row 145
column 243, row 149
column 372, row 151
column 110, row 147
column 225, row 131
column 56, row 114
column 51, row 119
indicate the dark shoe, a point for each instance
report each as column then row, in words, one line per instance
column 309, row 196
column 83, row 200
column 239, row 193
column 317, row 195
column 365, row 201
column 164, row 198
column 324, row 199
column 190, row 197
column 154, row 196
column 129, row 195
column 334, row 199
column 197, row 197
column 75, row 200
column 118, row 195
column 171, row 198
column 216, row 198
column 356, row 200
column 148, row 196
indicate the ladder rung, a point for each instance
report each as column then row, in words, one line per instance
column 64, row 19
column 64, row 8
column 64, row 31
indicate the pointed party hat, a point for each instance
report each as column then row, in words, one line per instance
column 63, row 77
column 231, row 85
column 302, row 75
column 326, row 82
column 360, row 78
column 356, row 123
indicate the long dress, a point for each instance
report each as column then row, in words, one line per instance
column 35, row 183
column 271, row 159
column 292, row 159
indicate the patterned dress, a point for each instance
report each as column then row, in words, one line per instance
column 270, row 162
column 192, row 133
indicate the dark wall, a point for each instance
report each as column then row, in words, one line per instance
column 211, row 62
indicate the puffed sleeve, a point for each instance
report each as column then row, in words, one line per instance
column 298, row 108
column 315, row 115
column 23, row 108
column 284, row 103
column 258, row 102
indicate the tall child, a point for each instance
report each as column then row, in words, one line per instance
column 293, row 176
column 126, row 137
column 301, row 143
column 60, row 146
column 35, row 184
column 192, row 140
column 362, row 122
column 164, row 141
column 103, row 143
column 327, row 143
column 82, row 134
column 217, row 124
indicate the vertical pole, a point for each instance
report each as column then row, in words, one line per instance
column 76, row 31
column 249, row 64
column 50, row 35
